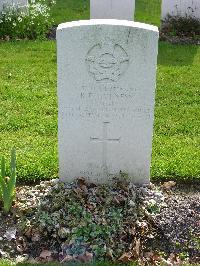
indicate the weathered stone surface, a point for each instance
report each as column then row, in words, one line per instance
column 106, row 83
column 181, row 8
column 112, row 9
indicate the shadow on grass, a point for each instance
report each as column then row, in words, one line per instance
column 176, row 54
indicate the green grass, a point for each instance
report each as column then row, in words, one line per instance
column 68, row 10
column 176, row 152
column 148, row 11
column 28, row 112
column 8, row 263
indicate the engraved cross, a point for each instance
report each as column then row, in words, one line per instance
column 105, row 140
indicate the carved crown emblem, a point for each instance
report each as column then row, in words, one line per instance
column 107, row 61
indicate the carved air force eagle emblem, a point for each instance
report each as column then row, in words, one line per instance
column 107, row 61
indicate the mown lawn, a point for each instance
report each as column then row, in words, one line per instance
column 28, row 110
column 68, row 10
column 176, row 152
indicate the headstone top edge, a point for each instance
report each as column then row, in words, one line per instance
column 111, row 22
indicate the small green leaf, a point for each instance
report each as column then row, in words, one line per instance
column 7, row 188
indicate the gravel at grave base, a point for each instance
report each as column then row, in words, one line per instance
column 82, row 221
column 181, row 222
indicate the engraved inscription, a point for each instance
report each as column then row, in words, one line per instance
column 105, row 140
column 106, row 102
column 106, row 113
column 107, row 61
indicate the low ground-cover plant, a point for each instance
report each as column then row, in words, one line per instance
column 32, row 22
column 7, row 185
column 83, row 221
column 187, row 26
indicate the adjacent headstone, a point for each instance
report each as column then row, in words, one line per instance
column 13, row 3
column 181, row 8
column 112, row 9
column 106, row 83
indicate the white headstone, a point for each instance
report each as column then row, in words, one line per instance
column 181, row 8
column 106, row 83
column 112, row 9
column 13, row 3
